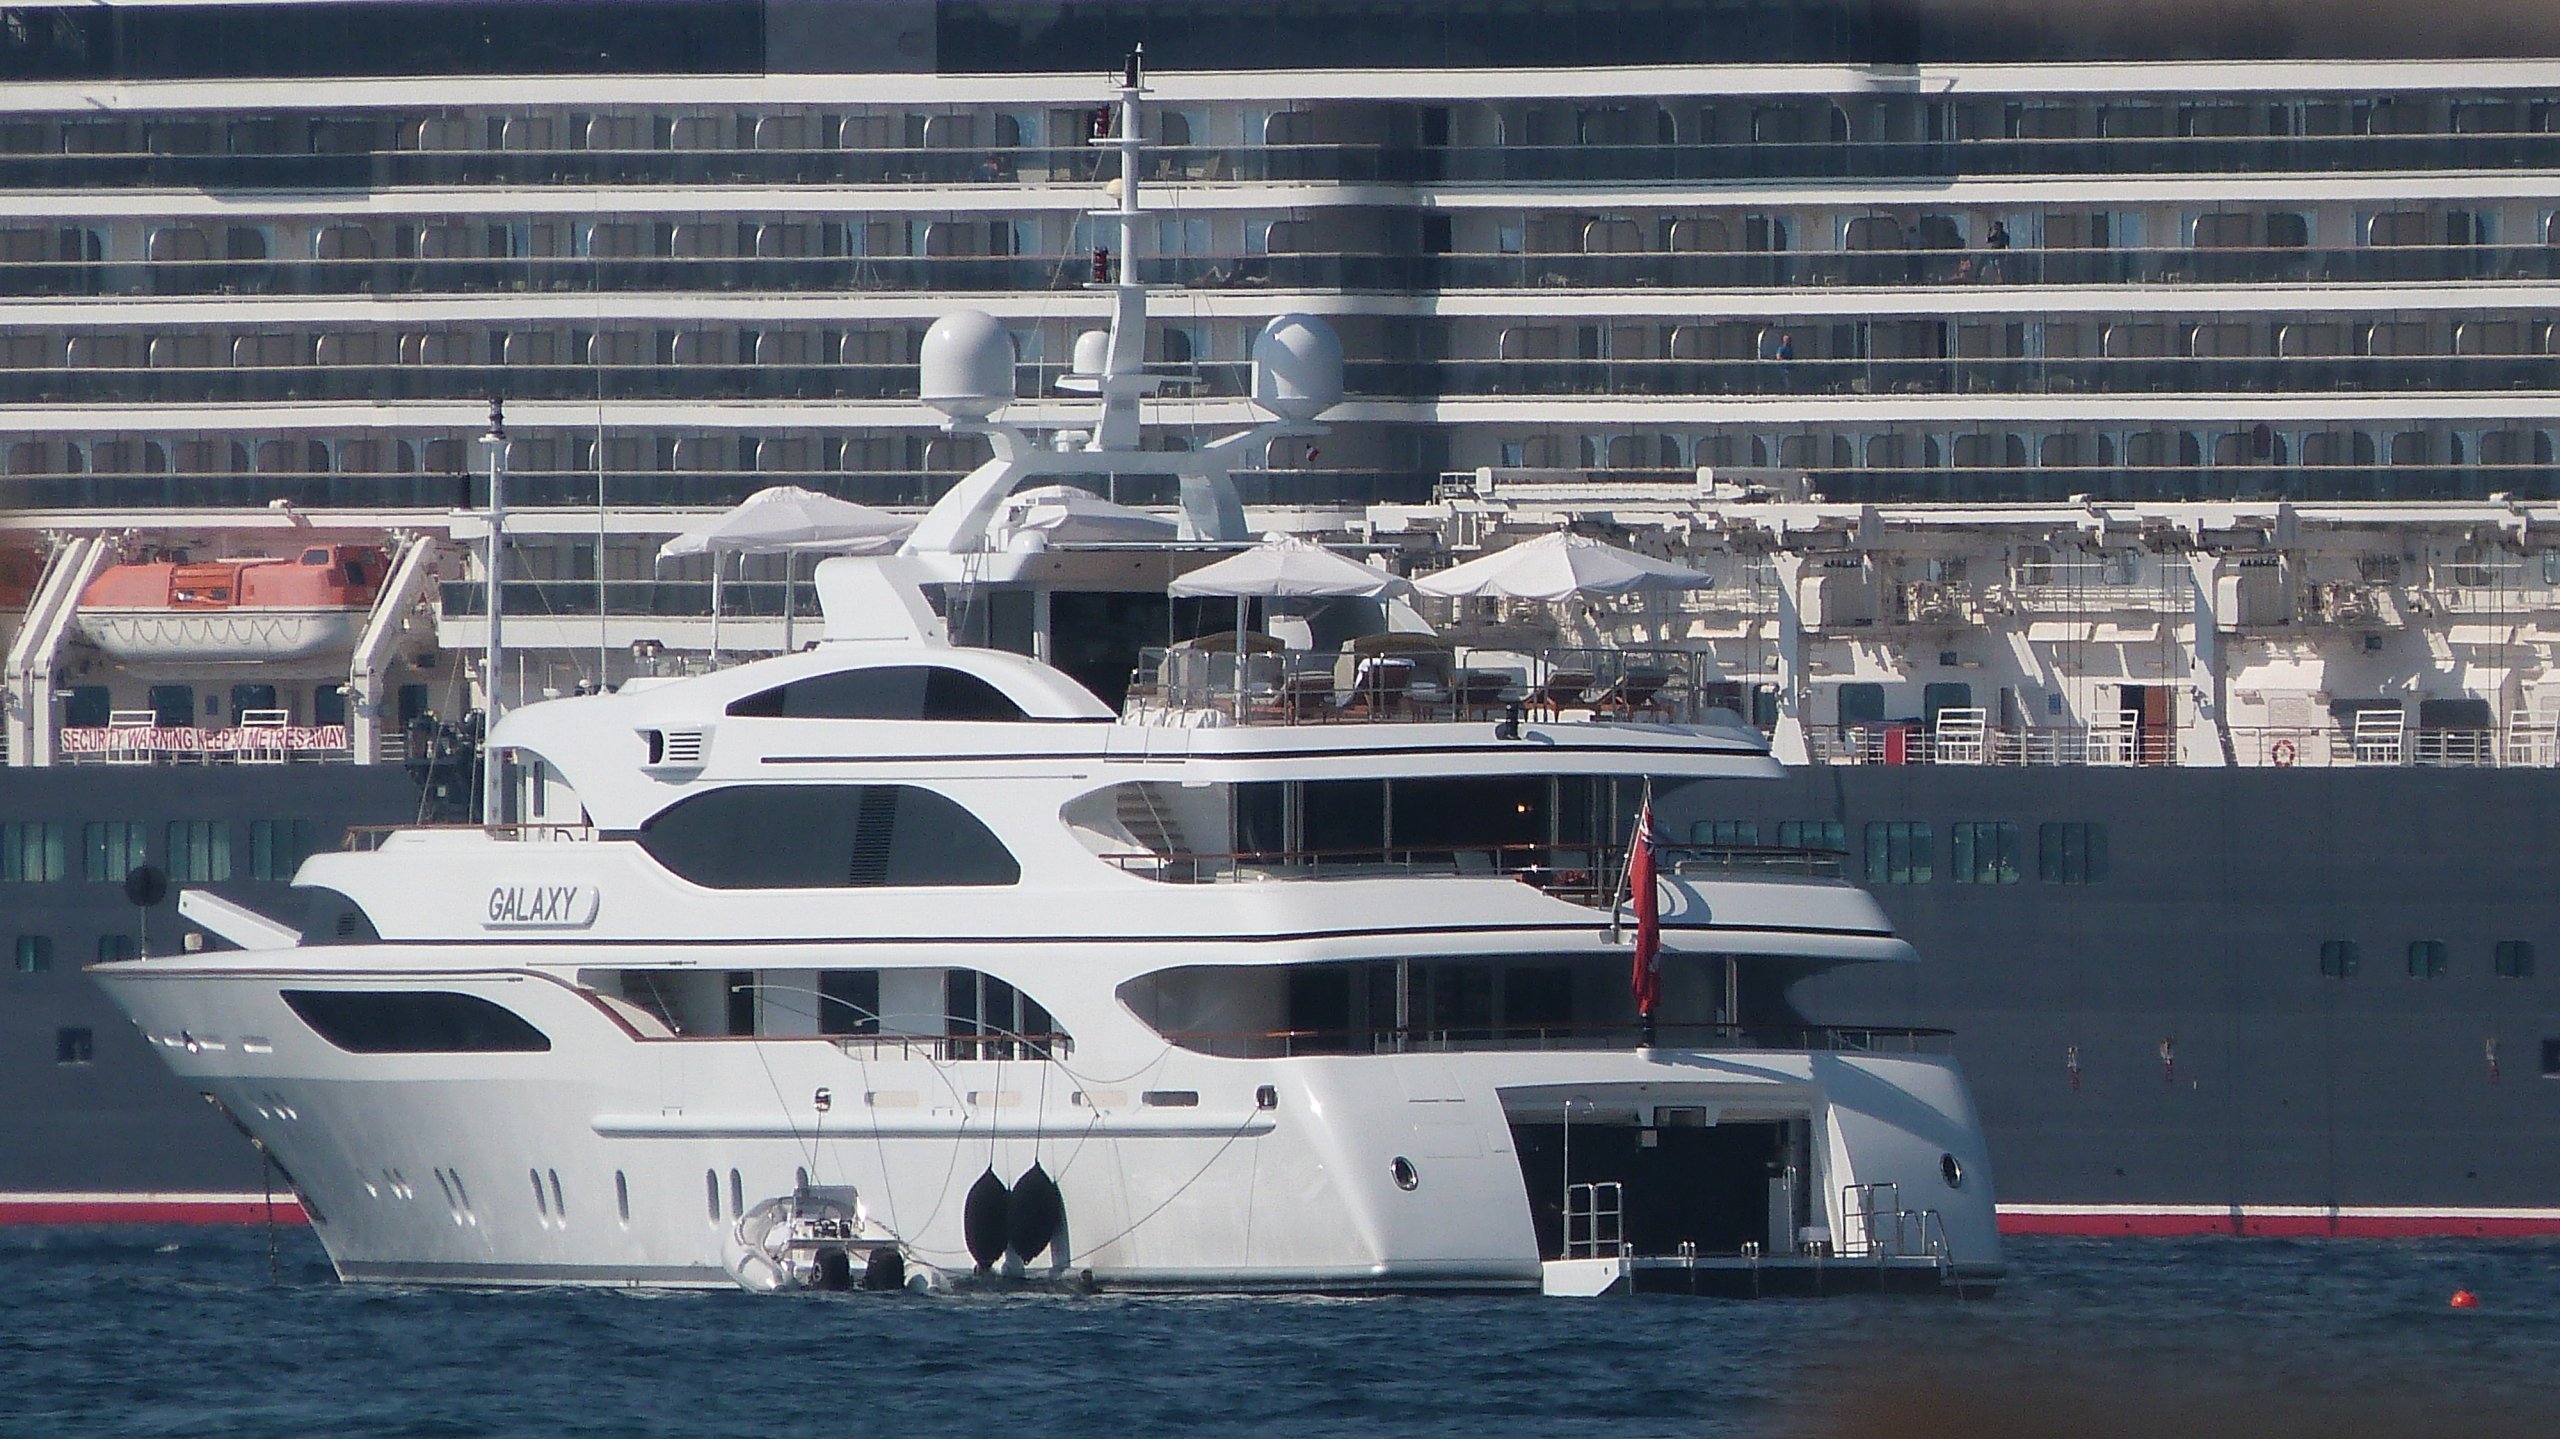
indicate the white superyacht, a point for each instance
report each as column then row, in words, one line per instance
column 899, row 959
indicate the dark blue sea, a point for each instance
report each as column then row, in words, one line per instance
column 184, row 1333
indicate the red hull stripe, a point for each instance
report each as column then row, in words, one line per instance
column 2166, row 1221
column 131, row 1208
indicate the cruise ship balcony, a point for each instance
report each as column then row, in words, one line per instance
column 1989, row 271
column 1378, row 380
column 1457, row 165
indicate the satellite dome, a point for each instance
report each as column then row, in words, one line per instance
column 966, row 365
column 1297, row 368
column 1093, row 352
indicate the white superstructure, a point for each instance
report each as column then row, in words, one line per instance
column 895, row 944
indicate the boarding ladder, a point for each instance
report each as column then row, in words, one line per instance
column 1880, row 1229
column 1595, row 1220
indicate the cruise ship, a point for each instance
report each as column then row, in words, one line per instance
column 2121, row 434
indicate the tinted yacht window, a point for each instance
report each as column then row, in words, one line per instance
column 826, row 837
column 890, row 692
column 414, row 1022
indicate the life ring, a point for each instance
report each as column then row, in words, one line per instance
column 2282, row 752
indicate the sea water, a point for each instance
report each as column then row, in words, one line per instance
column 193, row 1333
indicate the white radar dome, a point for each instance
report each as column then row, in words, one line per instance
column 1093, row 352
column 1297, row 368
column 965, row 368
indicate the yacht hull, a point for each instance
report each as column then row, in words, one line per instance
column 615, row 1159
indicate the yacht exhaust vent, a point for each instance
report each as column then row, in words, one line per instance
column 676, row 748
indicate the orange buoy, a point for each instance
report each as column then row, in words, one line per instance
column 2465, row 1299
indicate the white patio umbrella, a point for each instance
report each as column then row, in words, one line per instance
column 1560, row 566
column 1287, row 567
column 785, row 520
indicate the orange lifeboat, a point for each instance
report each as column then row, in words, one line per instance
column 235, row 609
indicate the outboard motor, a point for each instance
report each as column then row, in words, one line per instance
column 885, row 1271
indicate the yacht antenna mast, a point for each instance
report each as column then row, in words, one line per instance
column 495, row 444
column 1124, row 379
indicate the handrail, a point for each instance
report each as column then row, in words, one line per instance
column 367, row 837
column 1594, row 1035
column 1569, row 867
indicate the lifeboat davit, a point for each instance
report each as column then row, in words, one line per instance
column 235, row 610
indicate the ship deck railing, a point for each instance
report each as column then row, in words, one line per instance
column 366, row 837
column 2523, row 743
column 1606, row 1035
column 1415, row 679
column 1582, row 874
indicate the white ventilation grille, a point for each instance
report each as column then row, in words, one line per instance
column 685, row 746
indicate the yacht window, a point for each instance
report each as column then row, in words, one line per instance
column 1726, row 833
column 2337, row 958
column 987, row 1018
column 2426, row 959
column 2513, row 959
column 887, row 692
column 329, row 917
column 414, row 1022
column 849, row 1001
column 826, row 837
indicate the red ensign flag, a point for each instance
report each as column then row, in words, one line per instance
column 1647, row 978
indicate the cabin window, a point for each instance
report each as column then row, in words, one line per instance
column 2513, row 959
column 32, row 851
column 1899, row 852
column 739, row 991
column 826, row 837
column 622, row 1196
column 887, row 692
column 34, row 953
column 277, row 847
column 1731, row 833
column 2426, row 959
column 2071, row 853
column 988, row 1018
column 1827, row 835
column 199, row 851
column 329, row 917
column 711, row 1193
column 414, row 1022
column 2338, row 958
column 849, row 1001
column 74, row 1046
column 114, row 947
column 1986, row 852
column 109, row 850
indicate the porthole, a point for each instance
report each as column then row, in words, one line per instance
column 737, row 1196
column 541, row 1199
column 1407, row 1177
column 1950, row 1170
column 622, row 1196
column 711, row 1193
column 559, row 1206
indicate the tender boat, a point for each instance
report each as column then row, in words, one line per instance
column 261, row 609
column 902, row 958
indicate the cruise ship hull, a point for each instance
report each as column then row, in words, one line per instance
column 2291, row 1102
